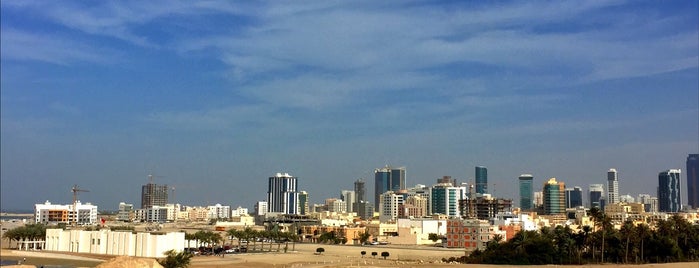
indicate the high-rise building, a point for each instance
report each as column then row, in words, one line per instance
column 153, row 195
column 360, row 190
column 282, row 194
column 303, row 203
column 350, row 198
column 526, row 191
column 365, row 210
column 669, row 191
column 445, row 199
column 612, row 187
column 693, row 180
column 554, row 199
column 388, row 179
column 596, row 191
column 481, row 180
column 573, row 197
column 538, row 199
column 389, row 205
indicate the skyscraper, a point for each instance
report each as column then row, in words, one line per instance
column 481, row 180
column 153, row 194
column 350, row 199
column 554, row 199
column 693, row 180
column 303, row 203
column 526, row 191
column 573, row 197
column 282, row 194
column 595, row 194
column 388, row 179
column 445, row 199
column 669, row 191
column 612, row 187
column 360, row 190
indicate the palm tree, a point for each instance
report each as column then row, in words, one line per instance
column 176, row 259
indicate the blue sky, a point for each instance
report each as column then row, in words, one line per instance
column 217, row 96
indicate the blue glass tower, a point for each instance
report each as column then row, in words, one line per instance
column 669, row 191
column 481, row 180
column 526, row 191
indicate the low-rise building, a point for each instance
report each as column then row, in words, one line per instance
column 81, row 214
column 470, row 234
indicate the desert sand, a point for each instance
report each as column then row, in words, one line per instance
column 305, row 256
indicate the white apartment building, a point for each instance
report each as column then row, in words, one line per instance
column 337, row 206
column 82, row 214
column 126, row 212
column 261, row 207
column 240, row 211
column 152, row 214
column 219, row 211
column 389, row 204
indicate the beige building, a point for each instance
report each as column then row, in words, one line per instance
column 470, row 234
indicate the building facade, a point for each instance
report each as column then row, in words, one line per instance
column 282, row 194
column 126, row 212
column 573, row 197
column 596, row 191
column 445, row 198
column 693, row 180
column 554, row 199
column 612, row 187
column 669, row 191
column 149, row 245
column 350, row 199
column 303, row 203
column 80, row 214
column 388, row 179
column 481, row 180
column 526, row 191
column 153, row 195
column 390, row 204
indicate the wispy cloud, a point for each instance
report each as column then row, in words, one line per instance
column 21, row 45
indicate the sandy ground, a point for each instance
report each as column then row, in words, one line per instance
column 304, row 256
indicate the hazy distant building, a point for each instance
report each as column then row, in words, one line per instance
column 153, row 195
column 360, row 190
column 669, row 191
column 650, row 203
column 612, row 187
column 626, row 199
column 282, row 194
column 365, row 210
column 554, row 199
column 596, row 192
column 538, row 199
column 350, row 198
column 573, row 197
column 303, row 203
column 126, row 212
column 219, row 211
column 481, row 180
column 388, row 179
column 414, row 206
column 526, row 191
column 446, row 179
column 693, row 180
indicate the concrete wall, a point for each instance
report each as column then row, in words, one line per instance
column 114, row 243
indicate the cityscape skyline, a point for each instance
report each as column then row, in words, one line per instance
column 216, row 97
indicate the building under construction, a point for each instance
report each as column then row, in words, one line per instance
column 485, row 207
column 153, row 195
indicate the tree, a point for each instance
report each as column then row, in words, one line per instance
column 363, row 237
column 176, row 259
column 434, row 237
column 384, row 254
column 320, row 250
column 363, row 253
column 374, row 253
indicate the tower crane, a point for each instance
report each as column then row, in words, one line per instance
column 75, row 191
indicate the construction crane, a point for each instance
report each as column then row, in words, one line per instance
column 75, row 191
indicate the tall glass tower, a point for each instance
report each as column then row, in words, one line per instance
column 669, row 191
column 526, row 191
column 387, row 179
column 573, row 197
column 481, row 180
column 595, row 194
column 693, row 180
column 612, row 187
column 554, row 199
column 282, row 194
